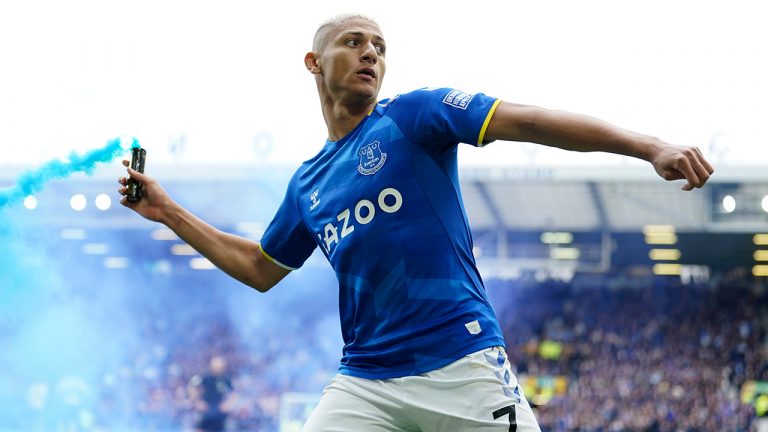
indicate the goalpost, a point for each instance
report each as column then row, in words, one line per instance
column 295, row 408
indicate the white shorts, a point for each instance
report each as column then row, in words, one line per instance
column 475, row 393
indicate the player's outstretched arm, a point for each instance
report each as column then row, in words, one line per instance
column 239, row 257
column 513, row 122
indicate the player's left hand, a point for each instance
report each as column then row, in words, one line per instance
column 683, row 162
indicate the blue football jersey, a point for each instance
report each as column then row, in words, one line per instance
column 384, row 205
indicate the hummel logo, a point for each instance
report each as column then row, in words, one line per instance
column 315, row 200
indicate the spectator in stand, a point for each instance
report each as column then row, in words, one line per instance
column 212, row 394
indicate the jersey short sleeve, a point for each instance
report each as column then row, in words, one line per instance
column 287, row 242
column 440, row 118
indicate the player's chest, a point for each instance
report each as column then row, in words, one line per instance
column 360, row 187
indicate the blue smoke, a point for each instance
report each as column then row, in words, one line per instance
column 59, row 336
column 83, row 347
column 31, row 182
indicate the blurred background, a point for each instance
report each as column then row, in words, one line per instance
column 628, row 305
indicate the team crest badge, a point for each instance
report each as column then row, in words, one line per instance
column 371, row 158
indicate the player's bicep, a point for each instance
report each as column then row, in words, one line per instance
column 512, row 122
column 267, row 272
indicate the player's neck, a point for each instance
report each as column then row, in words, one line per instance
column 342, row 118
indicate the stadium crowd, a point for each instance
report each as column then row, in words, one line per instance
column 642, row 354
column 630, row 353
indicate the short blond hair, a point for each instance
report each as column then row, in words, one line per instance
column 322, row 33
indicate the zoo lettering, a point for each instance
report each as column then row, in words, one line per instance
column 364, row 213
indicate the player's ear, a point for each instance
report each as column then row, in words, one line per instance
column 310, row 61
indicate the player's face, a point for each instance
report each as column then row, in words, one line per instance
column 353, row 60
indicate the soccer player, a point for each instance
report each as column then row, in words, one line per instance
column 423, row 349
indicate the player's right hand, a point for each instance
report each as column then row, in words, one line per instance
column 154, row 200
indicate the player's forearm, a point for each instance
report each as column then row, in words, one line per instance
column 583, row 133
column 232, row 254
column 569, row 131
